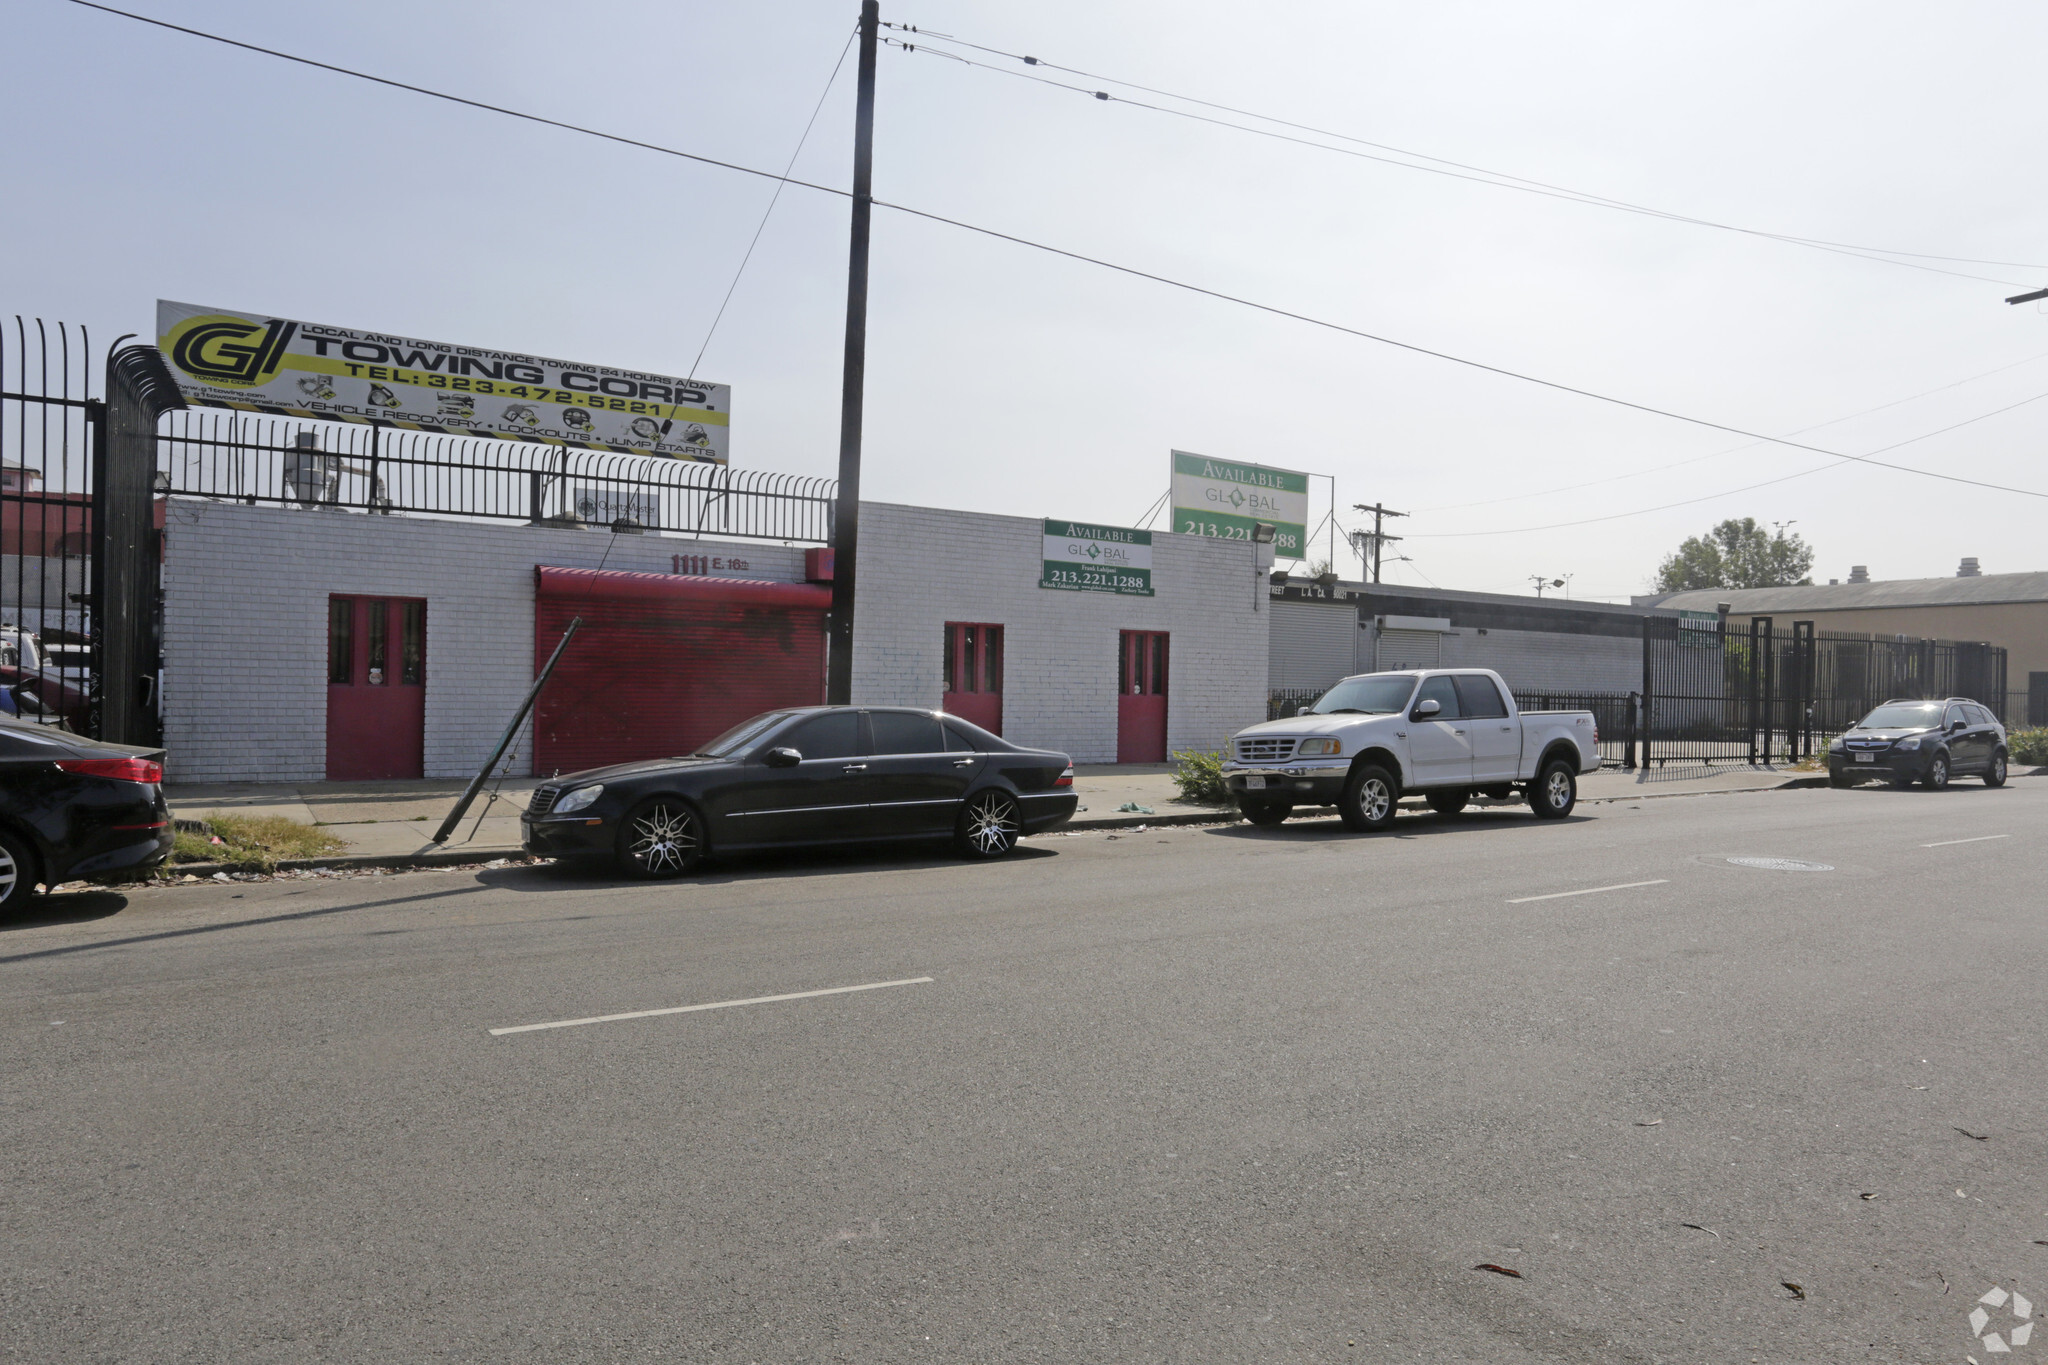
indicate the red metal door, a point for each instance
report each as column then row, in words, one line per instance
column 1141, row 697
column 974, row 674
column 376, row 688
column 664, row 662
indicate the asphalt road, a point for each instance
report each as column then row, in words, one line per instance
column 1213, row 1094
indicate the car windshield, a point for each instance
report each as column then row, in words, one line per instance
column 1378, row 694
column 1904, row 715
column 737, row 738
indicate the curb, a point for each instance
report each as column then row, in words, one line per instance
column 434, row 858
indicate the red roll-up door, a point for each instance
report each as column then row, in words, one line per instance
column 665, row 662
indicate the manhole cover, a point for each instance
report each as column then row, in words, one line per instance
column 1782, row 864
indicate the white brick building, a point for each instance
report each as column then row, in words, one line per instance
column 246, row 627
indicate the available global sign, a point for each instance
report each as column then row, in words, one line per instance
column 225, row 358
column 1080, row 557
column 1225, row 498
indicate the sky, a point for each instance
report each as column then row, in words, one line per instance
column 144, row 164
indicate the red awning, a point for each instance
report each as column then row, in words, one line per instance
column 613, row 585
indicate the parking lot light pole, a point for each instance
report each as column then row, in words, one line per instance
column 846, row 506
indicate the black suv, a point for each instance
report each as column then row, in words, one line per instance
column 1924, row 741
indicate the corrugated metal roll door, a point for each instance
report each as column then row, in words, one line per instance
column 1311, row 644
column 1408, row 649
column 665, row 662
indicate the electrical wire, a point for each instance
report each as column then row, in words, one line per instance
column 781, row 184
column 1499, row 179
column 1732, row 450
column 1132, row 271
column 1709, row 497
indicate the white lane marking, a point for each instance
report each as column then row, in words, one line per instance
column 714, row 1005
column 1589, row 891
column 1977, row 840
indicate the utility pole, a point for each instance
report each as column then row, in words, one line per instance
column 2029, row 298
column 846, row 507
column 1379, row 537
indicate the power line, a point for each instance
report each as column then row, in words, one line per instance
column 1498, row 179
column 1709, row 497
column 773, row 199
column 1132, row 271
column 1732, row 450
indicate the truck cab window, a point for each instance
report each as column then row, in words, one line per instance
column 1478, row 698
column 1441, row 691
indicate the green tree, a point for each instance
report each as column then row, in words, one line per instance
column 1737, row 554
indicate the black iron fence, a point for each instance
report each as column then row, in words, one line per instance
column 1755, row 693
column 1283, row 702
column 51, row 428
column 240, row 457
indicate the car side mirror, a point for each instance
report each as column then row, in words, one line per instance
column 1425, row 709
column 1304, row 710
column 782, row 758
column 1955, row 725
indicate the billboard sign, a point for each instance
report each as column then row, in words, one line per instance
column 1080, row 557
column 227, row 359
column 1227, row 498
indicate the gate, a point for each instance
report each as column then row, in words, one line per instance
column 1756, row 694
column 51, row 431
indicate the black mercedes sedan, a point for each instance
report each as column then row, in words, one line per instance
column 1924, row 741
column 73, row 807
column 810, row 775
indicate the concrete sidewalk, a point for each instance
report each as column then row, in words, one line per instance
column 393, row 822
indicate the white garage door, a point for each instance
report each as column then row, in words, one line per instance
column 1408, row 649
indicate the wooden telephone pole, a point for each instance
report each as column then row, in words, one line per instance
column 853, row 384
column 1379, row 537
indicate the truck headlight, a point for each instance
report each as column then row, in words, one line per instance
column 576, row 800
column 1312, row 747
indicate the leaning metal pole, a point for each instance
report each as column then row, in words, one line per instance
column 505, row 740
column 846, row 508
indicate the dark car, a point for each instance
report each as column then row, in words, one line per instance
column 811, row 775
column 73, row 807
column 1921, row 741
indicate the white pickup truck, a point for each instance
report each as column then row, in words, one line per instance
column 1446, row 734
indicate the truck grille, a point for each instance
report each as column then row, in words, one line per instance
column 543, row 798
column 1266, row 749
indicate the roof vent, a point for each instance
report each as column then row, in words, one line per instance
column 1969, row 568
column 1859, row 573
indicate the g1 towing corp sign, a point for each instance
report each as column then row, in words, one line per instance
column 227, row 359
column 1084, row 558
column 1226, row 498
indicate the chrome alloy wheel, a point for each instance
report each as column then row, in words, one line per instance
column 1557, row 789
column 10, row 873
column 1937, row 773
column 663, row 839
column 990, row 828
column 1375, row 799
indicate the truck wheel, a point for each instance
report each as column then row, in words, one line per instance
column 1937, row 773
column 1447, row 803
column 1555, row 791
column 1368, row 801
column 1994, row 776
column 1265, row 812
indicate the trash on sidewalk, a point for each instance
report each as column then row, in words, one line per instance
column 1133, row 808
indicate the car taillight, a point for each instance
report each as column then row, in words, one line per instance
column 120, row 769
column 1065, row 779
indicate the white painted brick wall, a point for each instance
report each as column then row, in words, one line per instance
column 245, row 626
column 922, row 567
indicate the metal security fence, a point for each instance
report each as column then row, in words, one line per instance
column 1614, row 716
column 52, row 426
column 241, row 457
column 1757, row 693
column 1283, row 702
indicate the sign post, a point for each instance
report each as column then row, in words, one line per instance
column 1226, row 498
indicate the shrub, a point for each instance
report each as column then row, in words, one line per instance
column 2027, row 746
column 1200, row 777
